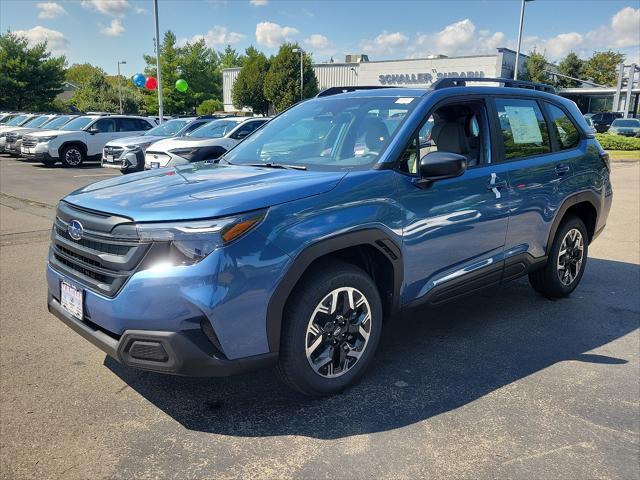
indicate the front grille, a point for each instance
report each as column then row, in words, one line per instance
column 29, row 142
column 116, row 152
column 106, row 255
column 12, row 137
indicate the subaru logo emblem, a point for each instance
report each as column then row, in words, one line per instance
column 75, row 229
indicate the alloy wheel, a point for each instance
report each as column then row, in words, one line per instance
column 570, row 257
column 338, row 332
column 73, row 157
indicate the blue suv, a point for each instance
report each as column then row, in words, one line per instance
column 300, row 244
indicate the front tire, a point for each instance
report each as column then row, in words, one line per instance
column 72, row 156
column 331, row 328
column 566, row 263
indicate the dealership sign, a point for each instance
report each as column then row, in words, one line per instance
column 423, row 78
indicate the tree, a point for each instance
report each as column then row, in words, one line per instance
column 571, row 65
column 230, row 58
column 536, row 65
column 79, row 73
column 199, row 66
column 95, row 94
column 30, row 78
column 210, row 106
column 248, row 89
column 282, row 82
column 173, row 101
column 602, row 67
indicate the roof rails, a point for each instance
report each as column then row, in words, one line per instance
column 327, row 92
column 508, row 82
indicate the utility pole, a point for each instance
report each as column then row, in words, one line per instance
column 158, row 66
column 123, row 62
column 515, row 69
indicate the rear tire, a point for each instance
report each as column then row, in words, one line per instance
column 566, row 263
column 331, row 328
column 72, row 156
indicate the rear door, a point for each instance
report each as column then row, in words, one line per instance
column 99, row 134
column 538, row 175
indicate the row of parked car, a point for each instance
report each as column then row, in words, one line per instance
column 121, row 141
column 612, row 122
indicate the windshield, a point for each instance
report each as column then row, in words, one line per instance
column 5, row 119
column 57, row 122
column 626, row 123
column 214, row 129
column 16, row 120
column 168, row 129
column 78, row 123
column 328, row 133
column 36, row 122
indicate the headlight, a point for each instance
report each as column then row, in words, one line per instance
column 2, row 135
column 190, row 242
column 186, row 153
column 141, row 146
column 45, row 139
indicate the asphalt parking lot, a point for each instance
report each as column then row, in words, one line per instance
column 500, row 384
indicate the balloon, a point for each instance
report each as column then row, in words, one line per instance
column 139, row 80
column 151, row 83
column 182, row 85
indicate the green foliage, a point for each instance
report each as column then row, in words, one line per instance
column 248, row 89
column 169, row 59
column 571, row 65
column 230, row 58
column 602, row 67
column 282, row 82
column 210, row 106
column 536, row 65
column 79, row 73
column 618, row 142
column 100, row 93
column 30, row 78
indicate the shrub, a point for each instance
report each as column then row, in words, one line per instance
column 618, row 142
column 210, row 106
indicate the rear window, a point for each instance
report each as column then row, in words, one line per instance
column 567, row 133
column 630, row 123
column 524, row 130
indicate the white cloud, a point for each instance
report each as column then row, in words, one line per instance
column 459, row 38
column 272, row 35
column 50, row 10
column 318, row 42
column 141, row 11
column 114, row 30
column 215, row 37
column 259, row 3
column 56, row 41
column 114, row 8
column 385, row 43
column 623, row 30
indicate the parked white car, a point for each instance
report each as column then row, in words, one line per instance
column 205, row 143
column 15, row 122
column 81, row 139
column 13, row 137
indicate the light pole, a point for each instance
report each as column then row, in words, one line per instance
column 123, row 62
column 296, row 50
column 158, row 68
column 515, row 69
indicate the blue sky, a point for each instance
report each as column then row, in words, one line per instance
column 104, row 31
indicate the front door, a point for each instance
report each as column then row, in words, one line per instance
column 454, row 230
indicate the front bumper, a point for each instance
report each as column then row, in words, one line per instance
column 188, row 352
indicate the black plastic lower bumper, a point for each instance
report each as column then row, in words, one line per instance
column 40, row 156
column 186, row 353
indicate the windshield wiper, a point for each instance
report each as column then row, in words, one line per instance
column 277, row 165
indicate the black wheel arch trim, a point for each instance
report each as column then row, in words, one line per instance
column 374, row 237
column 580, row 197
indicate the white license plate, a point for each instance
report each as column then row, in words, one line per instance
column 71, row 299
column 27, row 150
column 108, row 158
column 155, row 164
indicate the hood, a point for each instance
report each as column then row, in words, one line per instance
column 129, row 141
column 183, row 142
column 200, row 191
column 47, row 133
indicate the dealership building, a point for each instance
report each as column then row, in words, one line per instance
column 422, row 72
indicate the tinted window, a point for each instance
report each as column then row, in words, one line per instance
column 167, row 129
column 524, row 130
column 246, row 129
column 132, row 125
column 566, row 131
column 193, row 126
column 104, row 125
column 143, row 124
column 215, row 129
column 78, row 123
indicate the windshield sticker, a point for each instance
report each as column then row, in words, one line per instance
column 524, row 124
column 404, row 100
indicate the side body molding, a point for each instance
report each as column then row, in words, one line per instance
column 374, row 237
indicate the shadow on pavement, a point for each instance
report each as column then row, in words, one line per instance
column 433, row 362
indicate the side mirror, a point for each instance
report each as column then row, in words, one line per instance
column 240, row 135
column 92, row 131
column 440, row 165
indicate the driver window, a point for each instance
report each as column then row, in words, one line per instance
column 455, row 128
column 104, row 125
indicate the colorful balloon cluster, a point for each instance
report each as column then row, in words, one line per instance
column 139, row 80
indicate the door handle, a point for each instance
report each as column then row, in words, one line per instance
column 562, row 169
